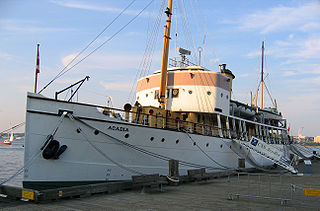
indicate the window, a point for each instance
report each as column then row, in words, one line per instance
column 175, row 93
column 208, row 92
column 156, row 94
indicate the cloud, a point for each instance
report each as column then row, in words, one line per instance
column 6, row 56
column 297, row 50
column 304, row 17
column 307, row 81
column 290, row 73
column 244, row 75
column 25, row 26
column 92, row 7
column 116, row 86
column 309, row 49
column 310, row 26
column 256, row 54
column 109, row 61
column 67, row 59
column 303, row 70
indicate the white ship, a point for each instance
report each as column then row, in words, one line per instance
column 184, row 112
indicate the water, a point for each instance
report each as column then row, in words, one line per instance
column 11, row 159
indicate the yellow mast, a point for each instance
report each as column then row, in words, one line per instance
column 165, row 54
column 261, row 82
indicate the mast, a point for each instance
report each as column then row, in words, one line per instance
column 261, row 82
column 165, row 54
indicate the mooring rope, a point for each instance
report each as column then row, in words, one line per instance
column 162, row 157
column 71, row 117
column 206, row 154
column 37, row 154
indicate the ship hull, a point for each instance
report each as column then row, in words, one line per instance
column 101, row 148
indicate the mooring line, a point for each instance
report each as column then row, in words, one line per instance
column 162, row 157
column 37, row 154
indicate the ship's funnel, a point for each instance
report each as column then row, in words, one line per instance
column 227, row 73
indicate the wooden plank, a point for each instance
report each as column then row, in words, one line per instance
column 84, row 190
column 193, row 172
column 145, row 178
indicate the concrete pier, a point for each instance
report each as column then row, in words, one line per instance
column 212, row 194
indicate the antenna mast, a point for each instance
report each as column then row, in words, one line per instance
column 165, row 54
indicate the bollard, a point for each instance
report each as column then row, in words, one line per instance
column 174, row 168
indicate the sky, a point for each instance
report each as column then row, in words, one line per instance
column 228, row 32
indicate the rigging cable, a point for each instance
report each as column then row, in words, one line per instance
column 65, row 70
column 46, row 143
column 206, row 154
column 148, row 53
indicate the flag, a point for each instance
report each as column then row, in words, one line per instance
column 38, row 60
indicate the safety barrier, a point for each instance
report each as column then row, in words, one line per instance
column 285, row 188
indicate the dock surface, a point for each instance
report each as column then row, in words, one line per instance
column 199, row 195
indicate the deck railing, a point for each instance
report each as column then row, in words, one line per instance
column 156, row 121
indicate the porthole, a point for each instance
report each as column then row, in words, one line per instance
column 208, row 93
column 221, row 146
column 240, row 147
column 175, row 93
column 190, row 91
column 207, row 144
column 230, row 146
column 126, row 135
column 152, row 138
column 162, row 140
column 194, row 143
column 96, row 132
column 227, row 97
column 78, row 130
column 221, row 94
column 147, row 95
column 177, row 141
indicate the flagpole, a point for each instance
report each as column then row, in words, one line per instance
column 37, row 70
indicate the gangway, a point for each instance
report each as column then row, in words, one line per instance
column 267, row 151
column 303, row 152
